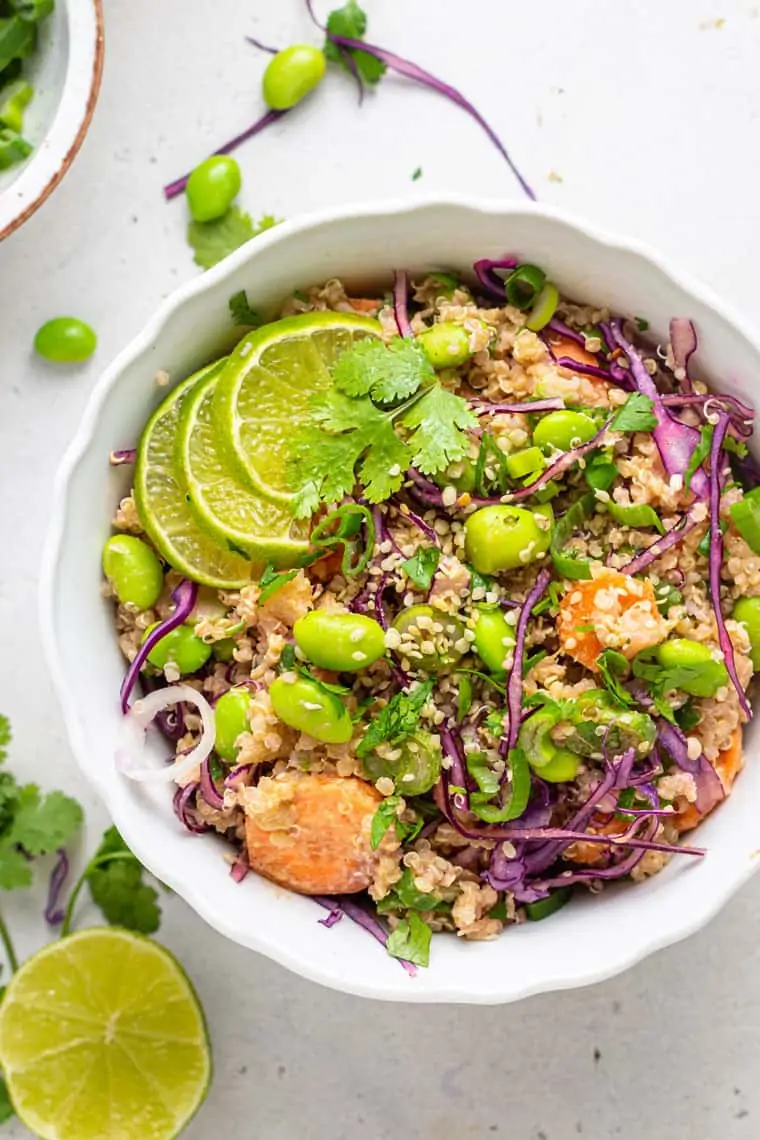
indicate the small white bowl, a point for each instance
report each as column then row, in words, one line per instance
column 595, row 937
column 65, row 70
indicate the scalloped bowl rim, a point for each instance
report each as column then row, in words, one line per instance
column 674, row 926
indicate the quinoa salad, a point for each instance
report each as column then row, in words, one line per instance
column 445, row 600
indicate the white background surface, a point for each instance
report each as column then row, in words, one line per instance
column 649, row 114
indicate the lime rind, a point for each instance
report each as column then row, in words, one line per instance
column 266, row 388
column 103, row 1027
column 162, row 505
column 233, row 515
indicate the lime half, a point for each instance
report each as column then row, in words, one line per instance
column 102, row 1038
column 265, row 390
column 162, row 506
column 235, row 516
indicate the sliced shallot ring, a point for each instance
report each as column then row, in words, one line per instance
column 135, row 728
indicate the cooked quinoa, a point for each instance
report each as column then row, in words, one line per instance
column 553, row 700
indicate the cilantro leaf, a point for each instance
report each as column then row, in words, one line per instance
column 613, row 666
column 384, row 817
column 272, row 580
column 636, row 414
column 117, row 887
column 438, row 420
column 386, row 372
column 699, row 454
column 348, row 438
column 413, row 899
column 241, row 312
column 351, row 21
column 398, row 719
column 421, row 567
column 42, row 823
column 15, row 869
column 417, row 174
column 213, row 241
column 411, row 940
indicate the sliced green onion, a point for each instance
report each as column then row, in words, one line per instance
column 13, row 148
column 565, row 562
column 636, row 514
column 745, row 515
column 464, row 698
column 489, row 453
column 524, row 285
column 544, row 307
column 13, row 100
column 544, row 907
column 341, row 528
column 519, row 796
column 600, row 472
column 529, row 461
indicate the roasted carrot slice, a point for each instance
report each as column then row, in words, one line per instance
column 311, row 832
column 728, row 765
column 563, row 346
column 611, row 610
column 364, row 304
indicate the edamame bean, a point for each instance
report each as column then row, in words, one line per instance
column 505, row 538
column 446, row 345
column 414, row 765
column 343, row 642
column 698, row 671
column 65, row 340
column 212, row 187
column 561, row 431
column 224, row 650
column 292, row 74
column 305, row 705
column 494, row 637
column 231, row 720
column 133, row 570
column 430, row 639
column 180, row 647
column 747, row 611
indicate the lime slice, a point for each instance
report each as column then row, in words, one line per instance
column 101, row 1035
column 265, row 390
column 235, row 517
column 162, row 506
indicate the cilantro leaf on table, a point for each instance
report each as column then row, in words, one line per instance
column 118, row 889
column 398, row 719
column 351, row 21
column 386, row 372
column 346, row 434
column 5, row 737
column 411, row 940
column 272, row 580
column 437, row 421
column 213, row 241
column 421, row 567
column 241, row 311
column 636, row 414
column 43, row 823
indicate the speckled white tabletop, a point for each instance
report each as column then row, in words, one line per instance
column 642, row 115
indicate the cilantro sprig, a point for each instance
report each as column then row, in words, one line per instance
column 397, row 720
column 636, row 414
column 213, row 241
column 350, row 21
column 385, row 413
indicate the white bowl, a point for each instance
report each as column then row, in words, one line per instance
column 65, row 71
column 593, row 938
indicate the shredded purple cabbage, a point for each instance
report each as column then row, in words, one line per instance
column 675, row 441
column 427, row 493
column 184, row 597
column 485, row 407
column 209, row 790
column 421, row 525
column 400, row 305
column 457, row 773
column 239, row 870
column 411, row 71
column 54, row 912
column 185, row 810
column 583, row 369
column 665, row 542
column 122, row 457
column 174, row 189
column 709, row 788
column 684, row 343
column 360, row 916
column 559, row 327
column 262, row 47
column 716, row 559
column 515, row 681
column 492, row 283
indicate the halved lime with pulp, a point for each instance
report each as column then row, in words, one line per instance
column 162, row 505
column 265, row 391
column 102, row 1038
column 234, row 515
